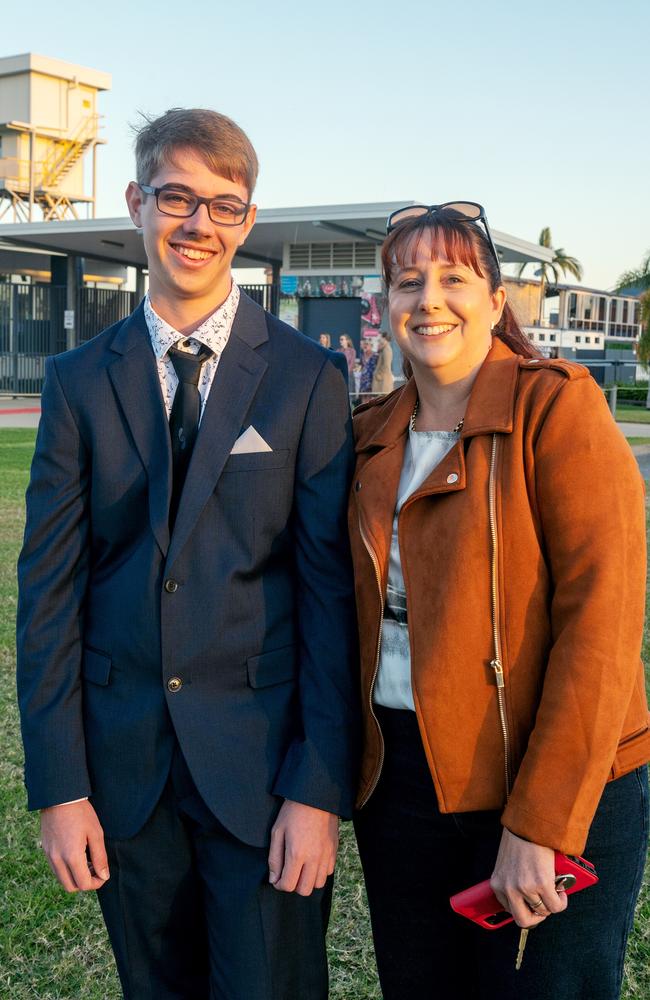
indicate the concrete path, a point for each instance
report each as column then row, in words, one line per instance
column 20, row 411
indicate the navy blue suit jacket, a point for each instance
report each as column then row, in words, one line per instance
column 249, row 602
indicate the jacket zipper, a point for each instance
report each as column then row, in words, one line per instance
column 375, row 563
column 497, row 662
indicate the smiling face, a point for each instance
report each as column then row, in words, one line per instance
column 441, row 312
column 189, row 259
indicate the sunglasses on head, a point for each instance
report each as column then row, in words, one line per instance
column 458, row 211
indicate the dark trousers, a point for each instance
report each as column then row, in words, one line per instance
column 191, row 915
column 414, row 858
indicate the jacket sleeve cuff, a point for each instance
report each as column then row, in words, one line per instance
column 569, row 839
column 305, row 777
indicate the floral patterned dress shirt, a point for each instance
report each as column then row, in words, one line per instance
column 213, row 332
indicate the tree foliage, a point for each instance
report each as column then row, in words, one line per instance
column 562, row 263
column 639, row 279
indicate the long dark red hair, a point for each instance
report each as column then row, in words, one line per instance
column 460, row 243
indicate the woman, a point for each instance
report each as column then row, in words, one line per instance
column 347, row 347
column 325, row 340
column 382, row 379
column 497, row 525
column 369, row 359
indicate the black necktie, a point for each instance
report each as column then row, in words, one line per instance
column 184, row 416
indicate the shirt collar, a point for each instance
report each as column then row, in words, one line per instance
column 213, row 332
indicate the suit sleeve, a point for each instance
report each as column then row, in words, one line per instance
column 52, row 577
column 321, row 767
column 591, row 504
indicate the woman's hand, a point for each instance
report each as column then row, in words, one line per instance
column 523, row 876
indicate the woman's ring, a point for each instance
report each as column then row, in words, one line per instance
column 535, row 906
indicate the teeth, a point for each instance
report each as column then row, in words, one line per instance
column 432, row 331
column 193, row 254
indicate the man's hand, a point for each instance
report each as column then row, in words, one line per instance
column 73, row 841
column 304, row 841
column 523, row 875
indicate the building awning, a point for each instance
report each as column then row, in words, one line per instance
column 117, row 240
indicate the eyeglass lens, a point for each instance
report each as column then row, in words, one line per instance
column 460, row 209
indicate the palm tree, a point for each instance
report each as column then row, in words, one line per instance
column 639, row 280
column 561, row 262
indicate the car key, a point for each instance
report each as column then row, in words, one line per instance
column 523, row 937
column 562, row 883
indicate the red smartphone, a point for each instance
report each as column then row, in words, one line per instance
column 478, row 903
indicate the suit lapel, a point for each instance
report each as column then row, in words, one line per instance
column 135, row 380
column 238, row 375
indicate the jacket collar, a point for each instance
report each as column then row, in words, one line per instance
column 490, row 408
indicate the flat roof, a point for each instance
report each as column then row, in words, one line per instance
column 119, row 241
column 31, row 62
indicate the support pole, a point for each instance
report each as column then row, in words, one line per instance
column 31, row 176
column 613, row 399
column 94, row 180
column 139, row 284
column 275, row 294
column 71, row 286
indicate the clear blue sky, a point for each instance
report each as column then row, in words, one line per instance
column 538, row 111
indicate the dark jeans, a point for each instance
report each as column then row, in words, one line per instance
column 414, row 858
column 191, row 915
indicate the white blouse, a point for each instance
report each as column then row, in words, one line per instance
column 424, row 451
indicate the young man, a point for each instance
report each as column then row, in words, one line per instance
column 186, row 642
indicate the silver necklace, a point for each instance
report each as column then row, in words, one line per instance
column 454, row 430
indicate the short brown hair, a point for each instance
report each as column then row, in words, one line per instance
column 218, row 140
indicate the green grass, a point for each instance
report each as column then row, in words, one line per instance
column 53, row 946
column 633, row 414
column 638, row 440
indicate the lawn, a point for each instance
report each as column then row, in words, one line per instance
column 53, row 946
column 633, row 414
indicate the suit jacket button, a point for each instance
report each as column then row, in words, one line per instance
column 171, row 586
column 357, row 486
column 174, row 684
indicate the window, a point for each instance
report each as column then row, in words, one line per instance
column 552, row 336
column 542, row 336
column 578, row 339
column 587, row 340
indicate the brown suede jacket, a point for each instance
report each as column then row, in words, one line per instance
column 537, row 675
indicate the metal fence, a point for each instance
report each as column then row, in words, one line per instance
column 32, row 325
column 31, row 328
column 98, row 308
column 266, row 296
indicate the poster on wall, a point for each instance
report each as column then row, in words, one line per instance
column 365, row 287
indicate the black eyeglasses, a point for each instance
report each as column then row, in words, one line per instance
column 459, row 211
column 181, row 203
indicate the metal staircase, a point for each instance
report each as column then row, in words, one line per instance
column 65, row 153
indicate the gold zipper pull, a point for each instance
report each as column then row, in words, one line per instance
column 497, row 666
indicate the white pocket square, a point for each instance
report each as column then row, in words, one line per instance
column 248, row 442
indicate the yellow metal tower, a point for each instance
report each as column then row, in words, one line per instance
column 48, row 123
